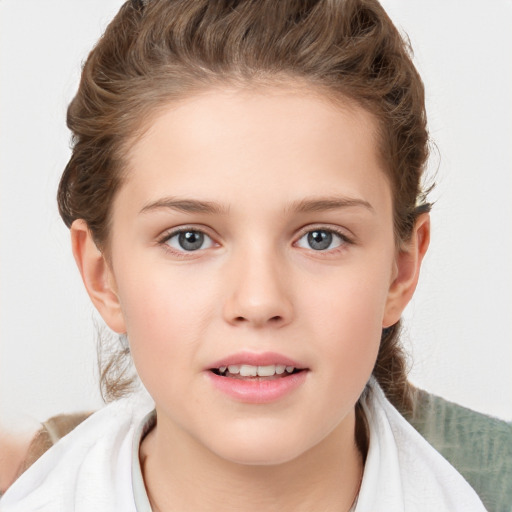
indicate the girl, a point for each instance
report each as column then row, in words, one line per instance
column 245, row 205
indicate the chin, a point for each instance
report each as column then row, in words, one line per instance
column 260, row 450
column 258, row 458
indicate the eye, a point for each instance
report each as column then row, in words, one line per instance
column 189, row 240
column 321, row 240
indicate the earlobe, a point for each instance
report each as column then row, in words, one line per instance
column 408, row 264
column 96, row 276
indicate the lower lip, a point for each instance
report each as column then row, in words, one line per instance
column 258, row 391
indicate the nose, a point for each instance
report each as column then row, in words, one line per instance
column 259, row 291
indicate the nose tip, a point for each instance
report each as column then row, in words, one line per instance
column 258, row 296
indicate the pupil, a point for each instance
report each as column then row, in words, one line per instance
column 319, row 240
column 191, row 240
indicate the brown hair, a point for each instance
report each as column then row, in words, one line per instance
column 155, row 51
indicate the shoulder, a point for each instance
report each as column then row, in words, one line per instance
column 90, row 468
column 14, row 447
column 478, row 445
column 403, row 471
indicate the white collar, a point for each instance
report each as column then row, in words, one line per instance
column 403, row 473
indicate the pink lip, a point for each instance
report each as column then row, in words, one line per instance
column 257, row 390
column 255, row 359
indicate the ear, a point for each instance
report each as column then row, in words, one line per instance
column 97, row 276
column 407, row 271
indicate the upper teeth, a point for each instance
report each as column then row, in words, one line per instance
column 247, row 370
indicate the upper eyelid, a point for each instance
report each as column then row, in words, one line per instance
column 344, row 239
column 342, row 232
column 167, row 235
column 170, row 232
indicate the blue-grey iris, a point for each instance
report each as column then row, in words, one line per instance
column 191, row 240
column 319, row 240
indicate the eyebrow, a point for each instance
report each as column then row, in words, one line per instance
column 329, row 203
column 185, row 205
column 301, row 206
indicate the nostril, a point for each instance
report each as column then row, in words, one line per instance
column 275, row 319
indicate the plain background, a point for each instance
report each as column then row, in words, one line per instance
column 459, row 326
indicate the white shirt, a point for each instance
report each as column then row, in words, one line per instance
column 96, row 467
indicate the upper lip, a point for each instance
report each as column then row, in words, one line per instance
column 256, row 359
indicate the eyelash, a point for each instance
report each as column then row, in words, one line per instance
column 167, row 236
column 164, row 240
column 344, row 239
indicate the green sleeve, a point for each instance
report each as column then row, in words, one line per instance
column 478, row 446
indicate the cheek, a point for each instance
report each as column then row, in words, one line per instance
column 347, row 315
column 165, row 314
column 163, row 328
column 353, row 335
column 161, row 295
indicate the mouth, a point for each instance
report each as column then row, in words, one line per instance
column 257, row 378
column 256, row 373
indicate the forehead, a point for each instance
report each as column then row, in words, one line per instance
column 289, row 141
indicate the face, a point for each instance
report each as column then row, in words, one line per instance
column 254, row 230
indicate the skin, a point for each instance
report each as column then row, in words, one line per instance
column 276, row 164
column 16, row 435
column 13, row 451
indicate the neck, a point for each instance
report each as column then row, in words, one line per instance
column 181, row 475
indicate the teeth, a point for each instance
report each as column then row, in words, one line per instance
column 266, row 371
column 247, row 370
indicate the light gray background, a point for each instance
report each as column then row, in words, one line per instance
column 459, row 325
